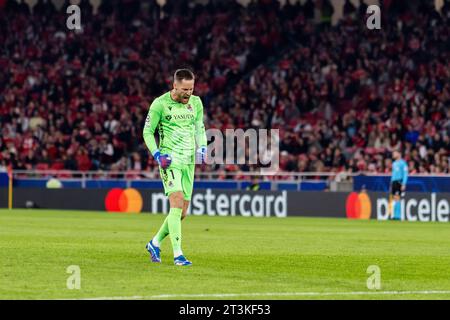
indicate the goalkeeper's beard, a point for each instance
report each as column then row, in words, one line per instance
column 180, row 97
column 183, row 97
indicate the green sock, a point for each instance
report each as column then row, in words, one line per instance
column 174, row 223
column 162, row 233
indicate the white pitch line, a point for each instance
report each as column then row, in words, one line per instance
column 272, row 294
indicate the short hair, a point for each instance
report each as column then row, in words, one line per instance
column 183, row 74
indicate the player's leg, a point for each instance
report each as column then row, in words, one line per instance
column 174, row 221
column 187, row 182
column 185, row 209
column 396, row 208
column 171, row 179
column 174, row 189
column 397, row 201
column 390, row 206
column 164, row 230
column 188, row 186
column 162, row 233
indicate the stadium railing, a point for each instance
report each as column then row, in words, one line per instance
column 300, row 181
column 149, row 179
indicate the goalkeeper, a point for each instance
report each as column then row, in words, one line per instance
column 178, row 116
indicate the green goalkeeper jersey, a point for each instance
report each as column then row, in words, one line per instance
column 180, row 127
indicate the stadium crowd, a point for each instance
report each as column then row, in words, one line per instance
column 343, row 97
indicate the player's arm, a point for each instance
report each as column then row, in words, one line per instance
column 200, row 132
column 151, row 123
column 405, row 176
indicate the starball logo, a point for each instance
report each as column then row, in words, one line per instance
column 358, row 206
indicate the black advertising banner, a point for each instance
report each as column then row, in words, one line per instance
column 374, row 205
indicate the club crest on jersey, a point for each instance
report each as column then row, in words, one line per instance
column 189, row 107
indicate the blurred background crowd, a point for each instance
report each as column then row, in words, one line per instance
column 342, row 96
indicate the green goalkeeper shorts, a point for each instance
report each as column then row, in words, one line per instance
column 178, row 179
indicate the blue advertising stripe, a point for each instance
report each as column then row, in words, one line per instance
column 415, row 184
column 216, row 184
column 313, row 186
column 30, row 183
column 71, row 184
column 155, row 184
column 287, row 186
column 3, row 179
column 105, row 184
column 262, row 185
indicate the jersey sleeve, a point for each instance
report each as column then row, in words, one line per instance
column 200, row 133
column 151, row 123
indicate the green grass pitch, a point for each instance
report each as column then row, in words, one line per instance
column 233, row 257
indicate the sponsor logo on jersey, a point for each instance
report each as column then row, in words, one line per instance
column 183, row 116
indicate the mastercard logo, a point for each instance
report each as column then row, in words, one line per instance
column 119, row 200
column 358, row 206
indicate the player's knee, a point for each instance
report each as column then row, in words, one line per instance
column 176, row 200
column 185, row 209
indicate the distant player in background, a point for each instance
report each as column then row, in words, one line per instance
column 178, row 116
column 399, row 179
column 254, row 184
